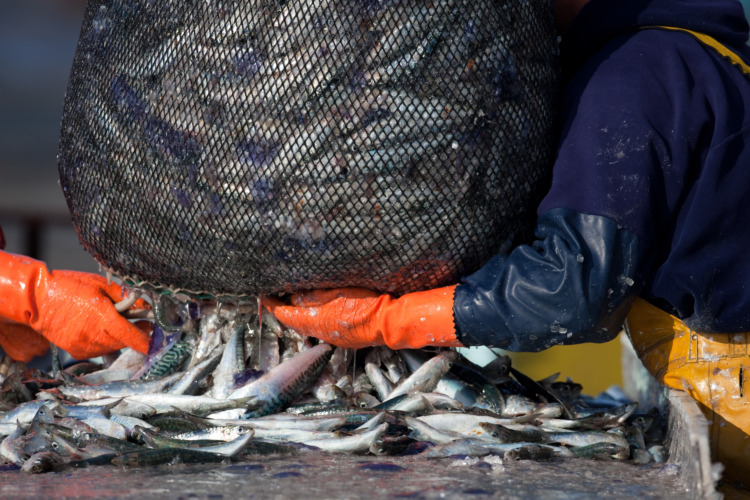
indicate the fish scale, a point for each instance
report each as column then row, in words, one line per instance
column 171, row 361
column 290, row 391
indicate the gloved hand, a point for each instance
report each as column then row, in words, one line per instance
column 21, row 342
column 355, row 317
column 73, row 310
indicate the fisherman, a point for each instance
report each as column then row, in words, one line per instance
column 73, row 310
column 645, row 218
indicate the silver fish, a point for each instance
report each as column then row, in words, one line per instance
column 591, row 437
column 123, row 407
column 166, row 456
column 107, row 427
column 108, row 375
column 465, row 423
column 286, row 421
column 164, row 403
column 415, row 403
column 505, row 435
column 348, row 444
column 479, row 448
column 449, row 384
column 191, row 379
column 223, row 433
column 530, row 452
column 209, row 334
column 641, row 456
column 121, row 388
column 516, row 405
column 123, row 368
column 11, row 448
column 170, row 360
column 659, row 452
column 282, row 384
column 43, row 461
column 341, row 363
column 325, row 388
column 231, row 448
column 377, row 378
column 425, row 432
column 25, row 412
column 394, row 365
column 232, row 362
column 427, row 376
column 373, row 422
column 441, row 401
column 130, row 423
column 599, row 451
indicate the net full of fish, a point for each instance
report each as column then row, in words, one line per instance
column 392, row 145
column 224, row 383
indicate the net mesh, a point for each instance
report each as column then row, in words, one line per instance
column 253, row 147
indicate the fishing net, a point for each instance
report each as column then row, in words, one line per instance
column 252, row 147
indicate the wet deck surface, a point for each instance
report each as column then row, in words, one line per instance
column 316, row 475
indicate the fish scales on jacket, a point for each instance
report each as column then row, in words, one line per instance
column 218, row 406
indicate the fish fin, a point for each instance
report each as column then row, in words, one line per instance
column 550, row 379
column 539, row 390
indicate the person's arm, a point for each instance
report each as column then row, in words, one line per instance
column 73, row 310
column 617, row 179
column 573, row 285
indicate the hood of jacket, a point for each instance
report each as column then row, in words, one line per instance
column 601, row 20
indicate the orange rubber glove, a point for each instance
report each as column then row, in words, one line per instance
column 21, row 342
column 356, row 317
column 73, row 310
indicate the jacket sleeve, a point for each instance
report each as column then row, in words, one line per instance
column 574, row 284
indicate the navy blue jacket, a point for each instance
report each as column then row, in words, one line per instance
column 651, row 186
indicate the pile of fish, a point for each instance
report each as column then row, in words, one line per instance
column 223, row 383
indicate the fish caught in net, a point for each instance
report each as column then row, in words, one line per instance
column 240, row 148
